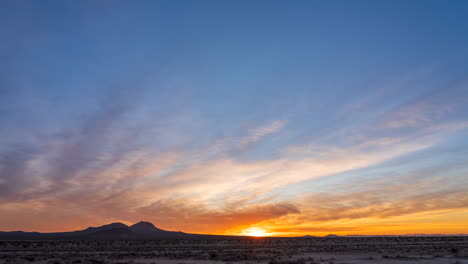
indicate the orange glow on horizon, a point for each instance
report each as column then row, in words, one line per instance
column 255, row 232
column 435, row 222
column 446, row 223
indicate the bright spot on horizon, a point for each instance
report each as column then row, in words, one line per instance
column 255, row 232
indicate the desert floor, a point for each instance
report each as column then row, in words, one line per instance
column 338, row 250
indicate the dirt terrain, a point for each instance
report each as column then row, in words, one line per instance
column 336, row 250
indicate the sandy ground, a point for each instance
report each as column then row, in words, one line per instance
column 443, row 250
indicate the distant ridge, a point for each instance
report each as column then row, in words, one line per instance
column 112, row 233
column 142, row 227
column 405, row 235
column 103, row 228
column 146, row 230
column 140, row 230
column 409, row 235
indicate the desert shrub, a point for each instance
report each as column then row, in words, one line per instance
column 96, row 261
column 213, row 255
column 30, row 258
column 19, row 261
column 297, row 261
column 454, row 251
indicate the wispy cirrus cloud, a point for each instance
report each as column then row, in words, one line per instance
column 440, row 105
column 381, row 204
column 114, row 168
column 259, row 124
column 202, row 218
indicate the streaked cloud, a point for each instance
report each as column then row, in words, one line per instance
column 241, row 126
column 208, row 189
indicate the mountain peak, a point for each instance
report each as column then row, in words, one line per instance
column 105, row 227
column 144, row 226
column 111, row 225
column 144, row 223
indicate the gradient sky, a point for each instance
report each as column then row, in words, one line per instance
column 228, row 117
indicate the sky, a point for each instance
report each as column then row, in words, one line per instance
column 278, row 118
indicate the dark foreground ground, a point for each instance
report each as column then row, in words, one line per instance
column 385, row 250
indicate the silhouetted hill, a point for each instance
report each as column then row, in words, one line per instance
column 140, row 230
column 144, row 227
column 91, row 230
column 113, row 233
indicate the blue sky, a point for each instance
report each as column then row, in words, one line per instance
column 262, row 112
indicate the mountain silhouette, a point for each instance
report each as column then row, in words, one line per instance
column 120, row 231
column 90, row 230
column 143, row 227
column 112, row 233
column 140, row 230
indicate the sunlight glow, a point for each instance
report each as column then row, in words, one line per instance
column 255, row 232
